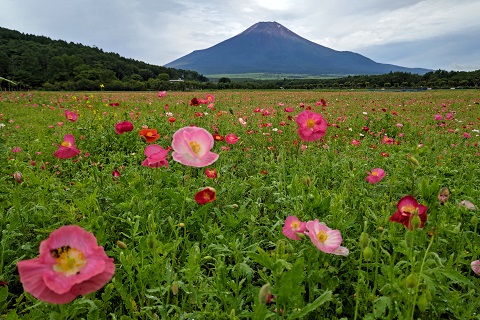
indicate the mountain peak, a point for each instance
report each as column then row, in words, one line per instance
column 269, row 47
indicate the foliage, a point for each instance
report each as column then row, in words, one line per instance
column 178, row 260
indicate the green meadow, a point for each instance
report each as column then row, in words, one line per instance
column 229, row 259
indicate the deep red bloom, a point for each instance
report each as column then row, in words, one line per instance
column 206, row 195
column 125, row 126
column 114, row 104
column 407, row 208
column 172, row 119
column 218, row 137
column 194, row 102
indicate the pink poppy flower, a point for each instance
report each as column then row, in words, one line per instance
column 162, row 94
column 242, row 122
column 476, row 267
column 387, row 140
column 467, row 204
column 292, row 227
column 231, row 138
column 466, row 135
column 191, row 147
column 449, row 116
column 17, row 176
column 375, row 176
column 324, row 238
column 67, row 148
column 125, row 126
column 438, row 117
column 16, row 149
column 71, row 263
column 312, row 126
column 71, row 116
column 288, row 109
column 210, row 98
column 406, row 208
column 156, row 156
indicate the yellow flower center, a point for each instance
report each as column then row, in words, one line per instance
column 374, row 173
column 149, row 134
column 69, row 261
column 310, row 123
column 66, row 144
column 196, row 147
column 295, row 225
column 410, row 208
column 322, row 236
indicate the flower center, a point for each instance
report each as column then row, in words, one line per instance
column 196, row 147
column 69, row 261
column 374, row 173
column 310, row 123
column 295, row 225
column 322, row 236
column 409, row 208
column 149, row 134
column 66, row 144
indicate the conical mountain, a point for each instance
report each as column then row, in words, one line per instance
column 269, row 47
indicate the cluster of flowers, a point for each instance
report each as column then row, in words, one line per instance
column 324, row 238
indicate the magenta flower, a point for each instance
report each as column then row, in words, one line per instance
column 191, row 147
column 466, row 135
column 162, row 94
column 406, row 208
column 476, row 267
column 311, row 126
column 438, row 117
column 231, row 138
column 16, row 149
column 156, row 156
column 375, row 176
column 324, row 238
column 67, row 148
column 125, row 126
column 293, row 227
column 70, row 264
column 71, row 116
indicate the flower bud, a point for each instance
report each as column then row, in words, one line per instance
column 263, row 293
column 363, row 240
column 175, row 288
column 414, row 161
column 411, row 281
column 415, row 222
column 443, row 195
column 121, row 244
column 422, row 303
column 17, row 176
column 368, row 253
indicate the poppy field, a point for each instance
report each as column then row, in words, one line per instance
column 240, row 205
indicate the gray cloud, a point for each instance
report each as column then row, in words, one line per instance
column 435, row 34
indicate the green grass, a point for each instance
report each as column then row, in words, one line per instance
column 185, row 261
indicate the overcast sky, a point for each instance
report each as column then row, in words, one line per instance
column 434, row 34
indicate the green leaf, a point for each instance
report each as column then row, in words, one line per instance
column 326, row 296
column 262, row 258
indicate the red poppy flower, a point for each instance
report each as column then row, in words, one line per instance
column 125, row 126
column 218, row 137
column 206, row 195
column 150, row 135
column 172, row 119
column 211, row 173
column 407, row 208
column 194, row 102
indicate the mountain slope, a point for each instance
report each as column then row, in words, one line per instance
column 271, row 48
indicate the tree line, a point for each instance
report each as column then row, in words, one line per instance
column 38, row 62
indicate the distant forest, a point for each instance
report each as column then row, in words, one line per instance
column 38, row 62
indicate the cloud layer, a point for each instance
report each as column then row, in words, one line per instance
column 435, row 34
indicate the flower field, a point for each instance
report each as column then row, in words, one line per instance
column 240, row 205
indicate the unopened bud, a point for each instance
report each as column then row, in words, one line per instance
column 363, row 240
column 414, row 161
column 121, row 244
column 443, row 195
column 415, row 223
column 17, row 176
column 263, row 294
column 175, row 288
column 368, row 253
column 422, row 303
column 411, row 281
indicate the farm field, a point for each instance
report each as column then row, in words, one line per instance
column 240, row 205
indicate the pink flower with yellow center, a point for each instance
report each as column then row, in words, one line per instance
column 407, row 208
column 71, row 116
column 70, row 264
column 156, row 156
column 191, row 147
column 324, row 238
column 293, row 227
column 67, row 148
column 376, row 175
column 311, row 126
column 231, row 138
